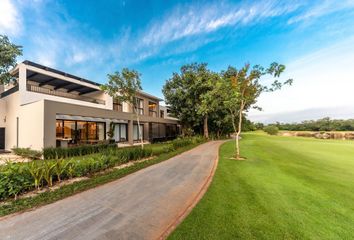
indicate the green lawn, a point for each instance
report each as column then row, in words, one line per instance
column 288, row 188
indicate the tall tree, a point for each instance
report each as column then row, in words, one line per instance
column 189, row 96
column 8, row 54
column 241, row 89
column 123, row 87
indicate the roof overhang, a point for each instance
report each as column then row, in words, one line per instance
column 57, row 83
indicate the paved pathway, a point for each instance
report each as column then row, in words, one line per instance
column 139, row 206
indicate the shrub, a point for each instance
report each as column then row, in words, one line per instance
column 271, row 130
column 182, row 142
column 27, row 153
column 57, row 153
column 14, row 179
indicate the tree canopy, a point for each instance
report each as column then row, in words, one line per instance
column 203, row 99
column 8, row 55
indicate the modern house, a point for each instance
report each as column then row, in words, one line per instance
column 48, row 108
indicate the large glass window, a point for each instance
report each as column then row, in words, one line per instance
column 120, row 132
column 117, row 106
column 92, row 131
column 69, row 129
column 101, row 131
column 59, row 128
column 139, row 106
column 137, row 134
column 162, row 114
column 80, row 131
column 152, row 109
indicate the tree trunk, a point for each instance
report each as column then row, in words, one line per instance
column 139, row 133
column 206, row 131
column 239, row 132
column 138, row 120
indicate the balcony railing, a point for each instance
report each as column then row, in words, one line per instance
column 34, row 88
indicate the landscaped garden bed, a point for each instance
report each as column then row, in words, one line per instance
column 26, row 185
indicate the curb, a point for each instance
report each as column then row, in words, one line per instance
column 172, row 226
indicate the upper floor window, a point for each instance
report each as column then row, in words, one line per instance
column 117, row 106
column 162, row 114
column 139, row 103
column 152, row 109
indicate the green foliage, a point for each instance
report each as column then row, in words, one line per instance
column 8, row 54
column 68, row 190
column 14, row 179
column 112, row 127
column 57, row 153
column 324, row 124
column 27, row 153
column 192, row 96
column 123, row 86
column 36, row 170
column 48, row 172
column 271, row 130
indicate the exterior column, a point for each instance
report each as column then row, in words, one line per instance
column 130, row 132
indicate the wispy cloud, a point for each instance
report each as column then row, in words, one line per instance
column 322, row 8
column 189, row 20
column 182, row 29
column 10, row 19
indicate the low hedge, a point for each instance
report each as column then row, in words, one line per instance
column 16, row 178
column 57, row 153
column 27, row 153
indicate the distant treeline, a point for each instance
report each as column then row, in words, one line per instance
column 324, row 124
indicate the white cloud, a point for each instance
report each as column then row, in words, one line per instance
column 188, row 20
column 322, row 80
column 10, row 19
column 322, row 8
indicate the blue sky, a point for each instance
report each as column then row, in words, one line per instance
column 315, row 39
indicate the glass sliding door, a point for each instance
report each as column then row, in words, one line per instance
column 123, row 133
column 92, row 131
column 138, row 133
column 80, row 132
column 101, row 131
column 69, row 129
column 120, row 132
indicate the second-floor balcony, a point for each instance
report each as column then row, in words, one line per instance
column 53, row 84
column 58, row 93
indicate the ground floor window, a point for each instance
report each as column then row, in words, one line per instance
column 76, row 132
column 120, row 132
column 138, row 133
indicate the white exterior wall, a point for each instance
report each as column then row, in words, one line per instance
column 31, row 126
column 12, row 112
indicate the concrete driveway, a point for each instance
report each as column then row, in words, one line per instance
column 143, row 205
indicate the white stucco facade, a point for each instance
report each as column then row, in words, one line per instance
column 29, row 111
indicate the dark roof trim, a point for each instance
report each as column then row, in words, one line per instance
column 78, row 78
column 9, row 92
column 29, row 63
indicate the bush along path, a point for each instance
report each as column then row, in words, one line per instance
column 140, row 206
column 41, row 175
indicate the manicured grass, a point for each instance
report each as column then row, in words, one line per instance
column 288, row 188
column 96, row 180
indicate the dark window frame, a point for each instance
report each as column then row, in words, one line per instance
column 75, row 137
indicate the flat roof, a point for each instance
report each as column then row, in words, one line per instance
column 33, row 64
